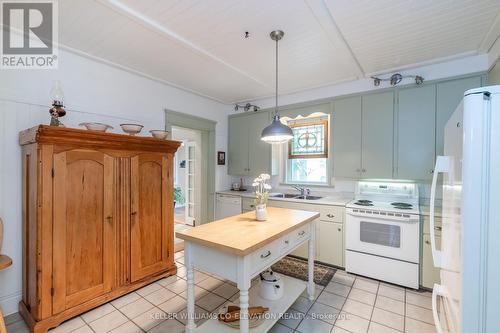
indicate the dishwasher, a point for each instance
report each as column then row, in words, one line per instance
column 227, row 205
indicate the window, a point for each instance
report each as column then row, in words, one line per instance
column 308, row 151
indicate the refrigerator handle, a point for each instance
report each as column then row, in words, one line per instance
column 436, row 291
column 442, row 166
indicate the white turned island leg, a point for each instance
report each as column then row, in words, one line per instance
column 190, row 326
column 310, row 264
column 244, row 303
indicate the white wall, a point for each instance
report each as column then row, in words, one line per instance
column 462, row 66
column 94, row 91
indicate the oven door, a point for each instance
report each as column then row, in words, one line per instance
column 386, row 237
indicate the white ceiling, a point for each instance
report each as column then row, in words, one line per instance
column 200, row 45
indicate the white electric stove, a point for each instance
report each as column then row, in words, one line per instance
column 383, row 232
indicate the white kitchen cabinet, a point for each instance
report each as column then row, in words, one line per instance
column 248, row 155
column 363, row 136
column 330, row 240
column 377, row 137
column 415, row 132
column 346, row 136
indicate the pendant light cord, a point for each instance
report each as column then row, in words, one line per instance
column 276, row 108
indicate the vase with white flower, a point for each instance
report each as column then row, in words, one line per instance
column 262, row 188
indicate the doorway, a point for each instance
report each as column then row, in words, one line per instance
column 187, row 175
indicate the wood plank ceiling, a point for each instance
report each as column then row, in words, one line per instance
column 199, row 45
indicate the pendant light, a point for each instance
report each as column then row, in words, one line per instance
column 277, row 132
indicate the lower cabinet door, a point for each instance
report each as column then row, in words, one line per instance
column 331, row 243
column 151, row 223
column 84, row 227
column 429, row 274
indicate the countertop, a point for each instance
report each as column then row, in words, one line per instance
column 331, row 200
column 242, row 234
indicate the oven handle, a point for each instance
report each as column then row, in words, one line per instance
column 385, row 217
column 442, row 166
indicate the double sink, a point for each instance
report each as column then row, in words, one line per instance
column 294, row 196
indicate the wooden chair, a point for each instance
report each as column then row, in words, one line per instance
column 5, row 262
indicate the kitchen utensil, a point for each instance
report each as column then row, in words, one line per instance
column 131, row 129
column 96, row 126
column 159, row 134
column 253, row 321
column 271, row 286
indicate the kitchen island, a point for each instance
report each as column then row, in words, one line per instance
column 238, row 248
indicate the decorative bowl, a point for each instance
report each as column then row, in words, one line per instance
column 159, row 134
column 96, row 126
column 131, row 129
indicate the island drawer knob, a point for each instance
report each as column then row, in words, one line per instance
column 265, row 255
column 302, row 233
column 330, row 215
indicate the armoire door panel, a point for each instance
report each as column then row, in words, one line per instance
column 149, row 203
column 83, row 227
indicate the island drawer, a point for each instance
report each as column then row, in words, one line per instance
column 264, row 257
column 300, row 234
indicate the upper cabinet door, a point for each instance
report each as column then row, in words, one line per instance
column 377, row 135
column 346, row 138
column 151, row 196
column 238, row 146
column 84, row 227
column 415, row 132
column 449, row 95
column 259, row 152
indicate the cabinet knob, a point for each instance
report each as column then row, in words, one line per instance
column 301, row 233
column 133, row 213
column 339, row 229
column 330, row 215
column 431, row 172
column 110, row 219
column 427, row 242
column 252, row 206
column 287, row 242
column 363, row 170
column 438, row 228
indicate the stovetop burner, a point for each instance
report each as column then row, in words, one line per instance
column 402, row 205
column 363, row 203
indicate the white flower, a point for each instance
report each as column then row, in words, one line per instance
column 267, row 186
column 255, row 184
column 265, row 176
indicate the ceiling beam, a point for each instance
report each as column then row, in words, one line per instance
column 491, row 36
column 323, row 15
column 161, row 29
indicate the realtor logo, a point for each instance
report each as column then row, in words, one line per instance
column 29, row 35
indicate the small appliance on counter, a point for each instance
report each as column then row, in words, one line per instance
column 271, row 286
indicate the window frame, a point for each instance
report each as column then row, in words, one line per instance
column 284, row 165
column 325, row 123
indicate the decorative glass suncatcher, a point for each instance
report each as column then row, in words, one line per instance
column 310, row 140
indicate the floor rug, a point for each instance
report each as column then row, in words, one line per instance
column 297, row 268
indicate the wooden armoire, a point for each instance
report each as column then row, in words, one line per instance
column 97, row 219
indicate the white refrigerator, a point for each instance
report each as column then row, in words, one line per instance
column 468, row 297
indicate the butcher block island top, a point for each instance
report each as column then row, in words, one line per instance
column 243, row 234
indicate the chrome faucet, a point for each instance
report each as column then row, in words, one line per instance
column 303, row 191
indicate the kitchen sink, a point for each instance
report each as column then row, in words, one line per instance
column 295, row 196
column 284, row 196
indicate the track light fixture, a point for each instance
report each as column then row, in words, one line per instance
column 246, row 107
column 396, row 79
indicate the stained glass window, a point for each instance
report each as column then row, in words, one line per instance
column 310, row 140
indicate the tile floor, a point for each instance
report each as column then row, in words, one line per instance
column 349, row 304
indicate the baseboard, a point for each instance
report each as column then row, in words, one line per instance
column 9, row 303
